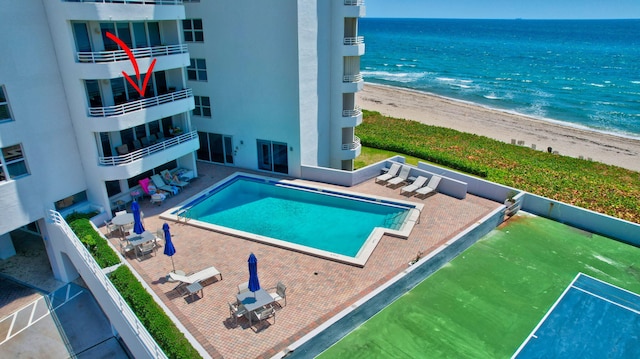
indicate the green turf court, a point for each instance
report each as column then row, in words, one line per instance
column 485, row 302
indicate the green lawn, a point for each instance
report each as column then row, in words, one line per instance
column 485, row 302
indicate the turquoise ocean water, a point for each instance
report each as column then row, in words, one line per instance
column 580, row 72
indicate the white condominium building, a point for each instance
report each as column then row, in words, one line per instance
column 96, row 95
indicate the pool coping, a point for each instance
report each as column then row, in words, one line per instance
column 176, row 214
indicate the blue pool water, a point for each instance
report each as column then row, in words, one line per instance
column 334, row 223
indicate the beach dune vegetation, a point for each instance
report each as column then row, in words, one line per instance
column 603, row 188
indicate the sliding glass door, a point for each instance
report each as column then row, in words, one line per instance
column 273, row 156
column 215, row 147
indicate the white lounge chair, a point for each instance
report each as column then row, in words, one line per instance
column 430, row 187
column 418, row 183
column 159, row 183
column 393, row 171
column 173, row 180
column 404, row 174
column 202, row 276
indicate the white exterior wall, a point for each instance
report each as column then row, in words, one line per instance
column 29, row 71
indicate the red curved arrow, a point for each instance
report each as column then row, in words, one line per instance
column 134, row 62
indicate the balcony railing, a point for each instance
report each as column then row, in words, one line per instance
column 108, row 291
column 352, row 113
column 137, row 105
column 136, row 155
column 144, row 2
column 353, row 145
column 120, row 55
column 352, row 78
column 354, row 2
column 356, row 40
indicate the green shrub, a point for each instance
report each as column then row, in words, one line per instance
column 80, row 215
column 97, row 246
column 599, row 187
column 162, row 329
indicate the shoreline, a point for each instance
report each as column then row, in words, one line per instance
column 501, row 125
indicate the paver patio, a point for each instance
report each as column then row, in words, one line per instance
column 317, row 288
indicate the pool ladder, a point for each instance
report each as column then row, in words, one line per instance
column 184, row 215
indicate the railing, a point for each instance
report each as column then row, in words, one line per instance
column 353, row 145
column 356, row 40
column 144, row 2
column 354, row 2
column 120, row 55
column 131, row 319
column 352, row 78
column 136, row 155
column 137, row 105
column 352, row 113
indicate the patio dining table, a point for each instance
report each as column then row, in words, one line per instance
column 122, row 220
column 254, row 300
column 142, row 238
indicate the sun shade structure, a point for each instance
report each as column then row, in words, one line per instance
column 169, row 249
column 254, row 283
column 137, row 222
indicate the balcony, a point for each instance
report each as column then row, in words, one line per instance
column 353, row 46
column 121, row 55
column 352, row 118
column 353, row 8
column 148, row 151
column 352, row 83
column 138, row 105
column 351, row 150
column 122, row 10
column 143, row 2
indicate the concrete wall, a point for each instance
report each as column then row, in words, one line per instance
column 42, row 124
column 251, row 49
column 582, row 218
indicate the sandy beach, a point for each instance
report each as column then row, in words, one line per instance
column 502, row 126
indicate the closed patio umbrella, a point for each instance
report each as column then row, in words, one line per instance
column 169, row 249
column 254, row 283
column 137, row 223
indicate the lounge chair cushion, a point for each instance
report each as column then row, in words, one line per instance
column 200, row 276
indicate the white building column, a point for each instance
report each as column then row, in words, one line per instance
column 6, row 246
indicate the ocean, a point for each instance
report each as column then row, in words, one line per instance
column 583, row 73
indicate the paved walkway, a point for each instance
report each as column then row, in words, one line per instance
column 317, row 288
column 63, row 324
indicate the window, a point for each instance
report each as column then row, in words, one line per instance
column 5, row 114
column 113, row 188
column 192, row 29
column 203, row 106
column 12, row 163
column 197, row 70
column 71, row 200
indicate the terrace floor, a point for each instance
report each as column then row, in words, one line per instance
column 317, row 289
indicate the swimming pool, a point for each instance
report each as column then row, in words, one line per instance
column 324, row 222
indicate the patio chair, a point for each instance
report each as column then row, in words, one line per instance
column 430, row 187
column 120, row 213
column 145, row 141
column 145, row 249
column 393, row 171
column 158, row 198
column 243, row 287
column 160, row 184
column 125, row 249
column 122, row 150
column 172, row 180
column 402, row 177
column 264, row 314
column 237, row 311
column 203, row 276
column 110, row 227
column 280, row 293
column 418, row 183
column 137, row 145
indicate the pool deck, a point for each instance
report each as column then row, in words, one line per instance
column 317, row 288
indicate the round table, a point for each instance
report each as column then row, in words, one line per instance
column 123, row 219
